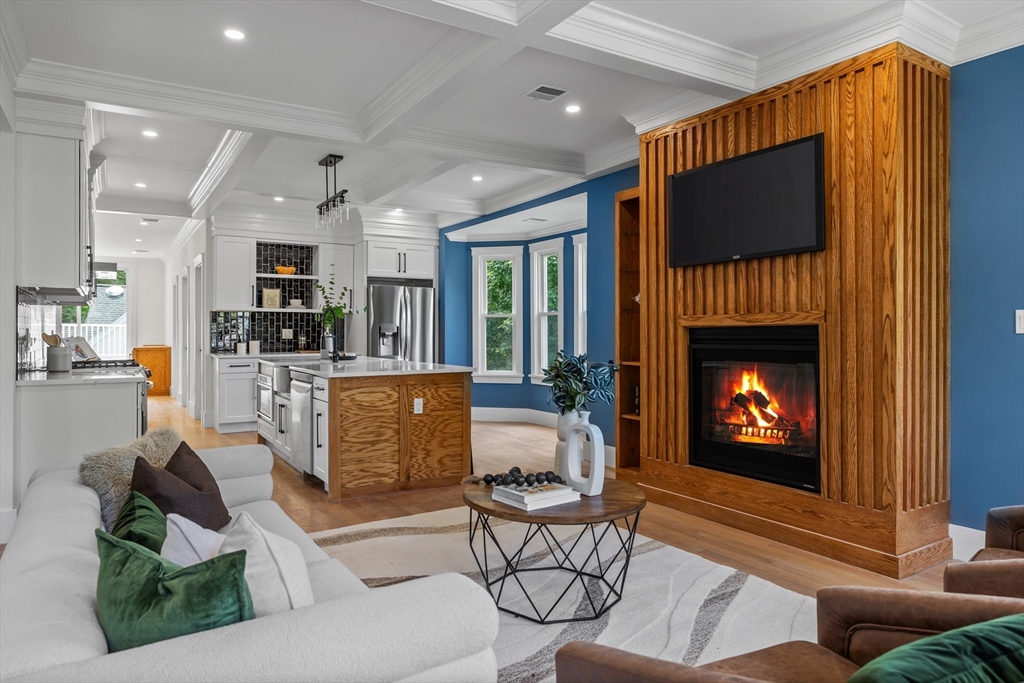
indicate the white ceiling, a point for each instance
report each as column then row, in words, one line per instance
column 547, row 219
column 116, row 235
column 420, row 95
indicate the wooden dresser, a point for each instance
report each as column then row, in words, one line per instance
column 157, row 358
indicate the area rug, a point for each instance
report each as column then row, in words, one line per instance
column 676, row 605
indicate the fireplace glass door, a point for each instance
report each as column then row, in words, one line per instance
column 754, row 397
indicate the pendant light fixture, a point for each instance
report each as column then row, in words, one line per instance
column 334, row 210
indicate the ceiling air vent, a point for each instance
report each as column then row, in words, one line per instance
column 545, row 93
column 535, row 220
column 151, row 220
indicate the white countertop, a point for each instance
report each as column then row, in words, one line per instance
column 266, row 356
column 43, row 378
column 364, row 366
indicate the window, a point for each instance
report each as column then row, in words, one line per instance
column 497, row 314
column 104, row 322
column 546, row 287
column 579, row 243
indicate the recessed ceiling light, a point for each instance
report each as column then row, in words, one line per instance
column 143, row 222
column 150, row 133
column 140, row 184
column 477, row 178
column 135, row 252
column 234, row 34
column 138, row 239
column 278, row 199
column 398, row 211
column 573, row 108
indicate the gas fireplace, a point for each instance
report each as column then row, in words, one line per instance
column 754, row 403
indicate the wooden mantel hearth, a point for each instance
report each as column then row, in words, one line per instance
column 879, row 294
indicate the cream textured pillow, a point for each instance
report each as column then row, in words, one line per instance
column 274, row 567
column 109, row 472
column 187, row 543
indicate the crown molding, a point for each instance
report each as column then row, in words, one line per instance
column 409, row 225
column 95, row 128
column 50, row 118
column 492, row 9
column 99, row 176
column 995, row 34
column 14, row 52
column 182, row 238
column 446, row 219
column 527, row 193
column 674, row 107
column 422, row 201
column 402, row 177
column 624, row 35
column 228, row 149
column 929, row 31
column 617, row 155
column 518, row 236
column 108, row 203
column 450, row 64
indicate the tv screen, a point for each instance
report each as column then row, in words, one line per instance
column 765, row 203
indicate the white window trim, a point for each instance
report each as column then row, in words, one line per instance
column 579, row 293
column 481, row 255
column 538, row 252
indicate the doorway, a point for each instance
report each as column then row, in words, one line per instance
column 199, row 364
column 183, row 341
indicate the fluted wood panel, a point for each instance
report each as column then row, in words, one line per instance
column 879, row 290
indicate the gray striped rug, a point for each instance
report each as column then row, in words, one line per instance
column 676, row 605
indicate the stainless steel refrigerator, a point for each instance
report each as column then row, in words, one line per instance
column 400, row 322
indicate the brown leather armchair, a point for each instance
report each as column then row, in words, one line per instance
column 855, row 625
column 998, row 568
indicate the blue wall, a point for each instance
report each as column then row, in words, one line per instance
column 456, row 296
column 987, row 284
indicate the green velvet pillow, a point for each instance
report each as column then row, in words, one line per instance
column 989, row 652
column 140, row 521
column 142, row 598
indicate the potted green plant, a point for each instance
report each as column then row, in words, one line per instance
column 576, row 384
column 333, row 312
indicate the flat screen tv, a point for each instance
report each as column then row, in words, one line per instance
column 765, row 203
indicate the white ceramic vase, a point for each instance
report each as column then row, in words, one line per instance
column 564, row 423
column 584, row 436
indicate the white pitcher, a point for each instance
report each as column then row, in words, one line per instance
column 594, row 484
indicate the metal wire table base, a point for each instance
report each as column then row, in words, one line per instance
column 602, row 584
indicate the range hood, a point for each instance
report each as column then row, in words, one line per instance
column 60, row 296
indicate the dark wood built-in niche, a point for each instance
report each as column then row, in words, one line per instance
column 879, row 295
column 627, row 326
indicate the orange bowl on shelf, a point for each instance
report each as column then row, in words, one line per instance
column 285, row 270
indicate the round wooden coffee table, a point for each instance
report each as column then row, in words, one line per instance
column 597, row 557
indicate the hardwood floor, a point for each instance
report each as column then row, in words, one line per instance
column 498, row 446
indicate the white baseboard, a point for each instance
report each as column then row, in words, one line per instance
column 7, row 518
column 207, row 419
column 236, row 427
column 192, row 409
column 966, row 541
column 530, row 416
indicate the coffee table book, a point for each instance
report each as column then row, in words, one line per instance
column 534, row 497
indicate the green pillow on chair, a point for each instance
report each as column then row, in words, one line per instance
column 140, row 521
column 142, row 598
column 989, row 652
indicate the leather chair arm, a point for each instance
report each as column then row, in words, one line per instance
column 1004, row 528
column 863, row 623
column 995, row 577
column 593, row 663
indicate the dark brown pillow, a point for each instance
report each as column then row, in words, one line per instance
column 184, row 486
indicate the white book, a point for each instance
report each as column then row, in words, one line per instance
column 535, row 492
column 531, row 504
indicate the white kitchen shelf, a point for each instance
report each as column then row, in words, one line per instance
column 250, row 309
column 288, row 277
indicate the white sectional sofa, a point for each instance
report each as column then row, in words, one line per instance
column 439, row 628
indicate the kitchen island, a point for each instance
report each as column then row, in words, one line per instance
column 382, row 425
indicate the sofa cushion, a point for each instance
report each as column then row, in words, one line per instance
column 271, row 517
column 142, row 598
column 49, row 570
column 330, row 580
column 990, row 554
column 274, row 567
column 188, row 543
column 185, row 486
column 140, row 521
column 109, row 472
column 988, row 652
column 796, row 661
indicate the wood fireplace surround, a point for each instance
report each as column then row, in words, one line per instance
column 878, row 294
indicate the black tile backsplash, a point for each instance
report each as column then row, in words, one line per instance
column 227, row 328
column 290, row 289
column 269, row 255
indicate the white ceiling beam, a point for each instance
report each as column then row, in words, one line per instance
column 458, row 146
column 108, row 203
column 528, row 192
column 612, row 157
column 422, row 201
column 235, row 155
column 995, row 34
column 402, row 177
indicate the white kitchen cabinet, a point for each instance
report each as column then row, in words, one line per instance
column 283, row 422
column 234, row 274
column 54, row 231
column 397, row 259
column 321, row 443
column 334, row 261
column 236, row 397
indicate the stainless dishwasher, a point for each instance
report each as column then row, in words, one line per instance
column 302, row 421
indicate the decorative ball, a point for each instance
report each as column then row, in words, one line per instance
column 515, row 470
column 488, row 479
column 520, row 480
column 541, row 478
column 507, row 479
column 550, row 475
column 531, row 479
column 558, row 480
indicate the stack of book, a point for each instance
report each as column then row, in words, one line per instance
column 534, row 497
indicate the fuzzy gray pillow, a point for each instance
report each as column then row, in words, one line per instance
column 109, row 472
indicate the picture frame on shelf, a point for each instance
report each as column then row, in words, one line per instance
column 271, row 298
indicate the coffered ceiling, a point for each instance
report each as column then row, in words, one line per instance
column 420, row 96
